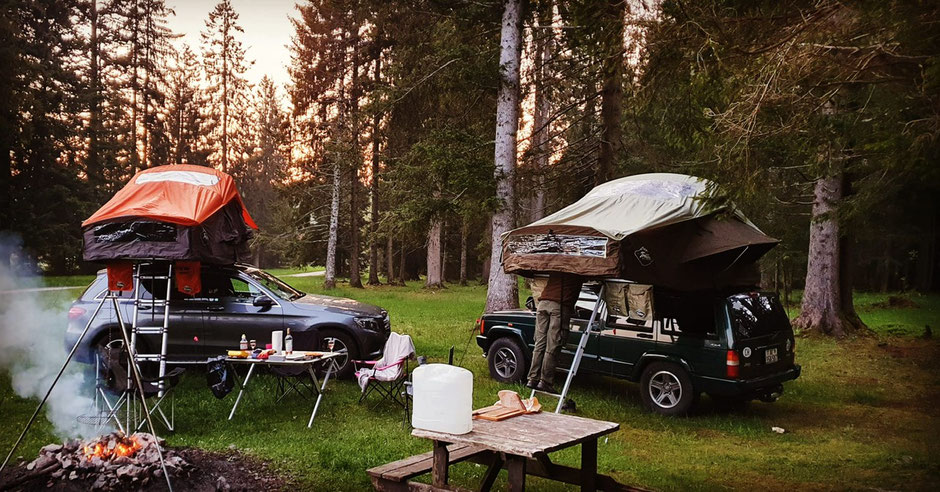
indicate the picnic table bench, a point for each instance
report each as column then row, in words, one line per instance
column 520, row 444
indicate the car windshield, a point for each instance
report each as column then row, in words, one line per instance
column 757, row 314
column 277, row 286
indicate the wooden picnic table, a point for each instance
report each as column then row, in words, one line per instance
column 520, row 444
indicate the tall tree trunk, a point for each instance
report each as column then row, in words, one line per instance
column 329, row 280
column 355, row 276
column 390, row 261
column 824, row 302
column 502, row 291
column 544, row 46
column 135, row 157
column 225, row 94
column 376, row 161
column 611, row 92
column 464, row 232
column 401, row 264
column 435, row 267
column 93, row 162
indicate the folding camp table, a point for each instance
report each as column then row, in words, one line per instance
column 327, row 358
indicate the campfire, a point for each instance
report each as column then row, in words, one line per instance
column 114, row 447
column 110, row 462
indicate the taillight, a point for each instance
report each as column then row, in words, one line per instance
column 480, row 322
column 76, row 312
column 733, row 364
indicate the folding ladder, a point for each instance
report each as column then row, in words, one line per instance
column 152, row 304
column 578, row 353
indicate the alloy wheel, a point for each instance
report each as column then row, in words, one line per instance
column 505, row 362
column 665, row 389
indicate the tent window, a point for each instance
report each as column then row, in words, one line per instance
column 138, row 230
column 558, row 244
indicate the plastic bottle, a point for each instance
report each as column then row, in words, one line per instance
column 243, row 344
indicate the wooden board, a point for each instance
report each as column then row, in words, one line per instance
column 499, row 413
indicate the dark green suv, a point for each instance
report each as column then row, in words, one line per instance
column 736, row 347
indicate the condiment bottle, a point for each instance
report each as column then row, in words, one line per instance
column 243, row 344
column 288, row 343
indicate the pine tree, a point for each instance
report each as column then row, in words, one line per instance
column 184, row 105
column 225, row 66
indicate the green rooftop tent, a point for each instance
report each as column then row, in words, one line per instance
column 670, row 230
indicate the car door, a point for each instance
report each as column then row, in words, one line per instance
column 229, row 312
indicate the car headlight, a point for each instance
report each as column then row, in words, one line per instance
column 370, row 324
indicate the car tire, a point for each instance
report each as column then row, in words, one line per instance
column 507, row 360
column 666, row 389
column 341, row 341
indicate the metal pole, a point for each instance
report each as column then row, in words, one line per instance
column 56, row 380
column 132, row 355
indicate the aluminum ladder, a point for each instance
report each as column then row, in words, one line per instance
column 578, row 353
column 158, row 325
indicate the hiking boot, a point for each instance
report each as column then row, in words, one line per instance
column 546, row 387
column 532, row 383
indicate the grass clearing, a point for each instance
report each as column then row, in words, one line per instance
column 862, row 415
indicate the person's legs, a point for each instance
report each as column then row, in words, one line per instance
column 542, row 316
column 554, row 340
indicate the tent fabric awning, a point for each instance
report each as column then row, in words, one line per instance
column 179, row 194
column 664, row 229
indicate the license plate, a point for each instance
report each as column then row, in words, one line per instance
column 770, row 356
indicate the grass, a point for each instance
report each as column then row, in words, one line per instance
column 863, row 415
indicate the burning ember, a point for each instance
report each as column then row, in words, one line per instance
column 110, row 462
column 112, row 448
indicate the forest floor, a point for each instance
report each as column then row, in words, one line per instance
column 862, row 416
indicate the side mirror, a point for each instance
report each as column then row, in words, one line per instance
column 263, row 301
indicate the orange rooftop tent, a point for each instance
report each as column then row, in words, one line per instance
column 176, row 212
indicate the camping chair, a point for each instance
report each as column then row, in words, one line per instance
column 116, row 378
column 387, row 375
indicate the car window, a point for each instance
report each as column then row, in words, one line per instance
column 227, row 286
column 277, row 286
column 757, row 314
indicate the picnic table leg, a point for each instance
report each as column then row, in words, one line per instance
column 319, row 388
column 491, row 473
column 241, row 389
column 516, row 467
column 439, row 466
column 589, row 465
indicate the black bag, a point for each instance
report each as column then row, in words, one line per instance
column 218, row 377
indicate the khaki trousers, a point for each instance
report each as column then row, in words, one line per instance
column 551, row 333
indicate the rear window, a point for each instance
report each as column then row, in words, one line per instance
column 757, row 314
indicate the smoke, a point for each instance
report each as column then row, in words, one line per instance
column 32, row 345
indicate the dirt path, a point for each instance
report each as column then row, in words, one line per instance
column 318, row 273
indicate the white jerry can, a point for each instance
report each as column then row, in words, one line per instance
column 443, row 399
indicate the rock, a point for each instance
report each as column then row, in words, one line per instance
column 126, row 471
column 222, row 484
column 41, row 462
column 100, row 483
column 73, row 475
column 58, row 474
column 50, row 448
column 778, row 430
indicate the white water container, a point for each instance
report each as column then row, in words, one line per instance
column 443, row 399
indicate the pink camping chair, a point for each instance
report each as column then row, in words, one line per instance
column 387, row 375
